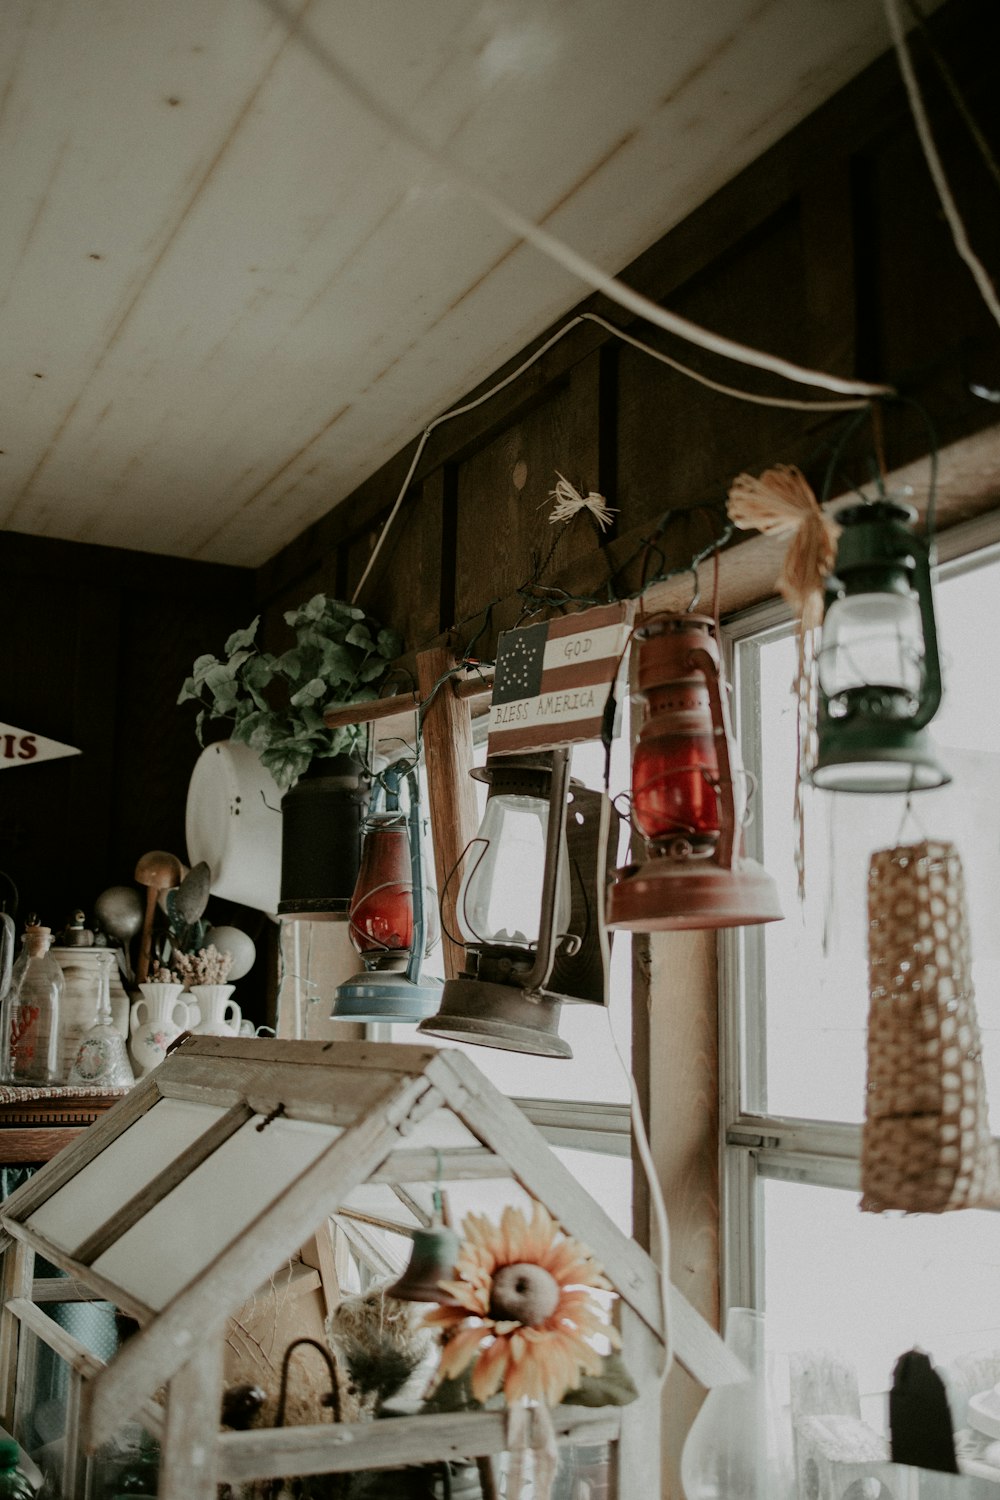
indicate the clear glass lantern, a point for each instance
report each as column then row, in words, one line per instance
column 501, row 896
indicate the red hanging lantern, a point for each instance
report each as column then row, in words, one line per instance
column 381, row 910
column 683, row 799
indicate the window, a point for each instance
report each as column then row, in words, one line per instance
column 794, row 1007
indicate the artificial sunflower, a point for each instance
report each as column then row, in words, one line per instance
column 522, row 1310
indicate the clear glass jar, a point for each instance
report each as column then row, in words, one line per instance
column 31, row 1016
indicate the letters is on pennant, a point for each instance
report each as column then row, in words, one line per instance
column 19, row 747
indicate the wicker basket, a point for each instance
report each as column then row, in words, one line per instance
column 926, row 1145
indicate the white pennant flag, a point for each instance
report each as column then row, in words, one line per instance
column 18, row 747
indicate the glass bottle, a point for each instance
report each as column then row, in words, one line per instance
column 31, row 1016
column 14, row 1484
column 739, row 1448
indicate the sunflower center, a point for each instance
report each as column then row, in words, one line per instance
column 523, row 1293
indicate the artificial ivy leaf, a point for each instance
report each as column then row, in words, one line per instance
column 286, row 763
column 336, row 665
column 202, row 667
column 613, row 1387
column 371, row 670
column 315, row 688
column 312, row 719
column 241, row 638
column 359, row 635
column 389, row 643
column 199, row 725
column 258, row 672
column 290, row 665
column 188, row 691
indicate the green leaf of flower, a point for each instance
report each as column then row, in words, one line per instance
column 389, row 644
column 188, row 691
column 241, row 638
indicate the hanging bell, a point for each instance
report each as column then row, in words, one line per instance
column 432, row 1261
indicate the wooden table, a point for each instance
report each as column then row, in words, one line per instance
column 35, row 1123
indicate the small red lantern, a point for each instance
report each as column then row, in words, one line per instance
column 683, row 800
column 381, row 911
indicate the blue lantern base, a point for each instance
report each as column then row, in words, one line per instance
column 374, row 995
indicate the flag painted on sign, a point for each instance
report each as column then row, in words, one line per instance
column 552, row 680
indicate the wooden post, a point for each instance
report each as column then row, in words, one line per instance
column 191, row 1437
column 18, row 1273
column 447, row 736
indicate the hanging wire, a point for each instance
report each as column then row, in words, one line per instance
column 957, row 97
column 956, row 224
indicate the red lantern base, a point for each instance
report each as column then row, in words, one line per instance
column 670, row 895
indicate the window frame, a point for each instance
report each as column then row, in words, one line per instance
column 755, row 1146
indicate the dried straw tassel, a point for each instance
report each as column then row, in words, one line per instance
column 781, row 503
column 926, row 1145
column 569, row 503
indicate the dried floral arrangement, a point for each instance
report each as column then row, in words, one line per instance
column 207, row 966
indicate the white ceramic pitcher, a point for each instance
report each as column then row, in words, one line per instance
column 155, row 1021
column 218, row 1015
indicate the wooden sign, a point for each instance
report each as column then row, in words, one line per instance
column 552, row 680
column 18, row 747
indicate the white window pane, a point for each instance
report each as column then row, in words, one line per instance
column 872, row 1286
column 811, row 1004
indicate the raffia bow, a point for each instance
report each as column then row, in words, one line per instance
column 569, row 502
column 782, row 503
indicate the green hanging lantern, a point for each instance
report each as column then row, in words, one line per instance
column 879, row 670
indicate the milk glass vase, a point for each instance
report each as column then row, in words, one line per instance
column 155, row 1021
column 219, row 1016
column 737, row 1448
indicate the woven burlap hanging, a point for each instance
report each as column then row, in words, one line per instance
column 926, row 1144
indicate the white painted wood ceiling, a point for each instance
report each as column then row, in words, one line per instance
column 227, row 296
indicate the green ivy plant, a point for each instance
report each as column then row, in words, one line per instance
column 276, row 702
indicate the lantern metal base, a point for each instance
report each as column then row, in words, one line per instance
column 668, row 895
column 385, row 995
column 497, row 1015
column 875, row 757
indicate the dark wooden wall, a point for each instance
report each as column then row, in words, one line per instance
column 831, row 249
column 96, row 643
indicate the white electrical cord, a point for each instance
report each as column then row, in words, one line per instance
column 951, row 213
column 397, row 125
column 635, row 1108
column 789, row 403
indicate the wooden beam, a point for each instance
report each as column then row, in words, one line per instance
column 18, row 1271
column 447, row 736
column 191, row 1435
column 334, row 1449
